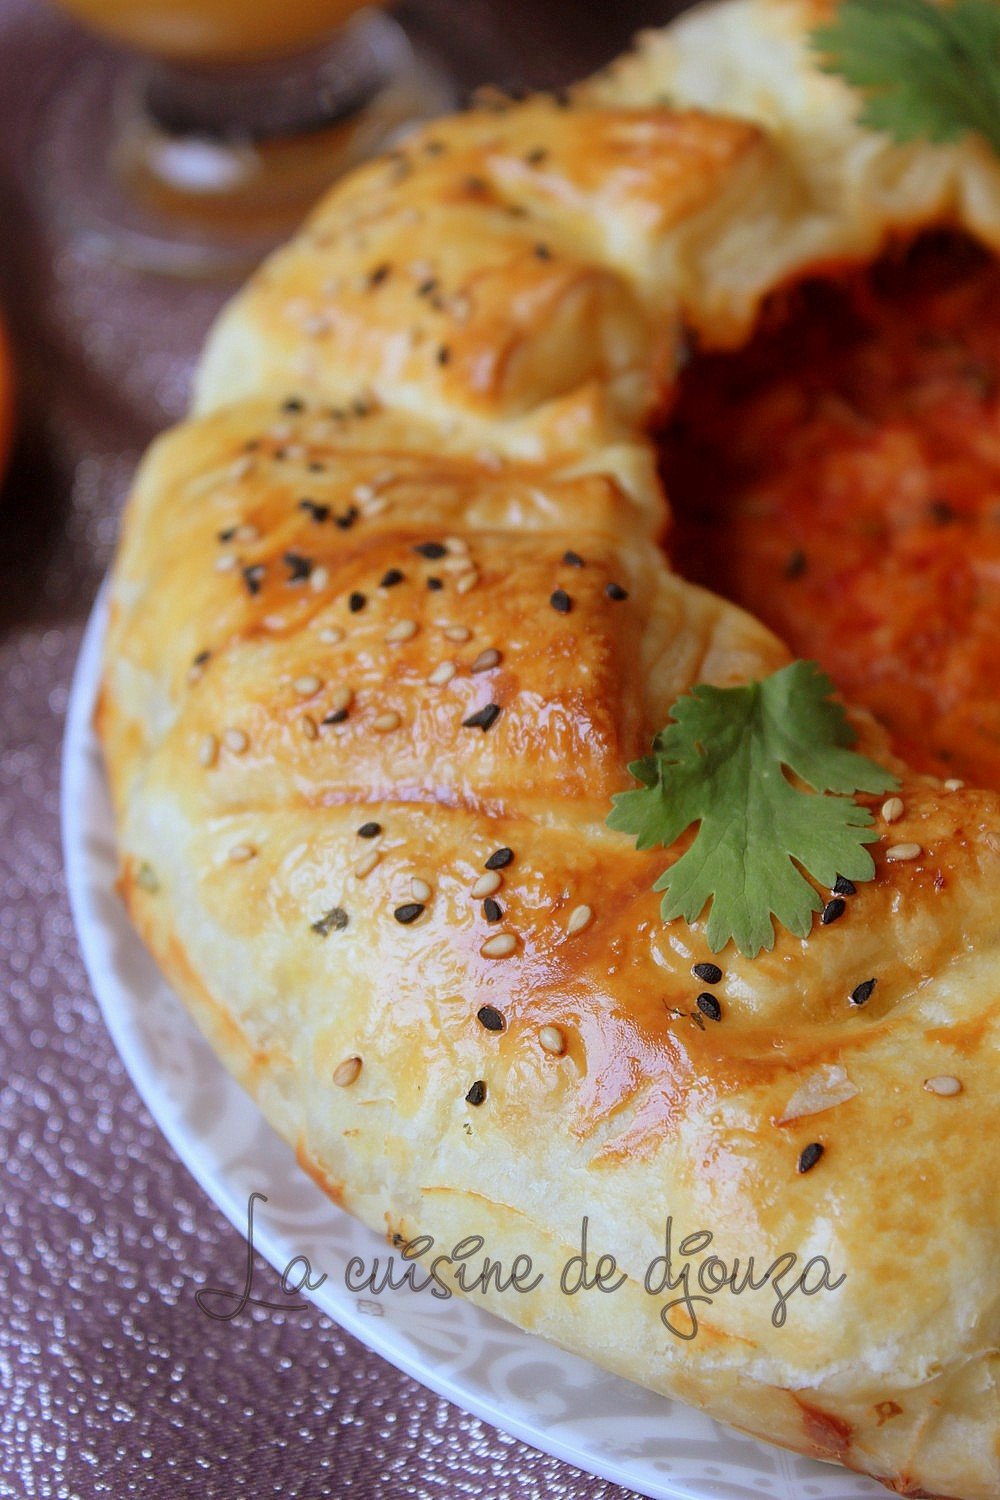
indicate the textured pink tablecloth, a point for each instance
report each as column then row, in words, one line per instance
column 112, row 1382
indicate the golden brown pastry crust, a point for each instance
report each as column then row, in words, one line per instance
column 464, row 347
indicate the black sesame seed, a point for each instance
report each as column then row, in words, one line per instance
column 347, row 520
column 227, row 535
column 409, row 912
column 360, row 408
column 253, row 577
column 443, row 354
column 536, row 157
column 832, row 910
column 483, row 718
column 810, row 1156
column 477, row 1093
column 543, row 252
column 434, row 584
column 369, row 830
column 335, row 920
column 709, row 1006
column 490, row 1017
column 356, row 602
column 201, row 658
column 492, row 910
column 293, row 404
column 315, row 467
column 499, row 859
column 299, row 567
column 844, row 887
column 797, row 564
column 707, row 973
column 616, row 592
column 572, row 559
column 862, row 993
column 432, row 550
column 317, row 512
column 379, row 274
column 427, row 287
column 391, row 578
column 560, row 600
column 337, row 717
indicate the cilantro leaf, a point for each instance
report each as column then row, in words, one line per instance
column 722, row 763
column 929, row 70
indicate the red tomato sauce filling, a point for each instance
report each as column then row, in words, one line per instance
column 839, row 477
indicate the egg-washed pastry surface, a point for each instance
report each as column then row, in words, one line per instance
column 391, row 618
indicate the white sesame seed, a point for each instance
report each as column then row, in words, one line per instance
column 240, row 853
column 318, row 579
column 501, row 945
column 899, row 853
column 953, row 784
column 367, row 863
column 442, row 673
column 281, row 432
column 456, row 544
column 943, row 1084
column 235, row 740
column 579, row 919
column 487, row 458
column 316, row 324
column 342, row 698
column 460, row 563
column 246, row 532
column 387, row 722
column 274, row 622
column 377, row 506
column 466, row 582
column 208, row 749
column 552, row 1040
column 345, row 1073
column 461, row 309
column 296, row 452
column 892, row 809
column 195, row 672
column 308, row 726
column 457, row 632
column 403, row 630
column 487, row 884
column 419, row 889
column 486, row 660
column 241, row 467
column 226, row 562
column 331, row 635
column 308, row 684
column 364, row 492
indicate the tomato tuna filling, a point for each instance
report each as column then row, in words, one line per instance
column 839, row 477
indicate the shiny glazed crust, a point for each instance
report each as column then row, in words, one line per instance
column 465, row 347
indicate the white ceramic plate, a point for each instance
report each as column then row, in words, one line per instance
column 553, row 1400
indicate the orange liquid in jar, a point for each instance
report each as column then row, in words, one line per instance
column 216, row 31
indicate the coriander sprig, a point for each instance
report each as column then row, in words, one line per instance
column 928, row 71
column 722, row 763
